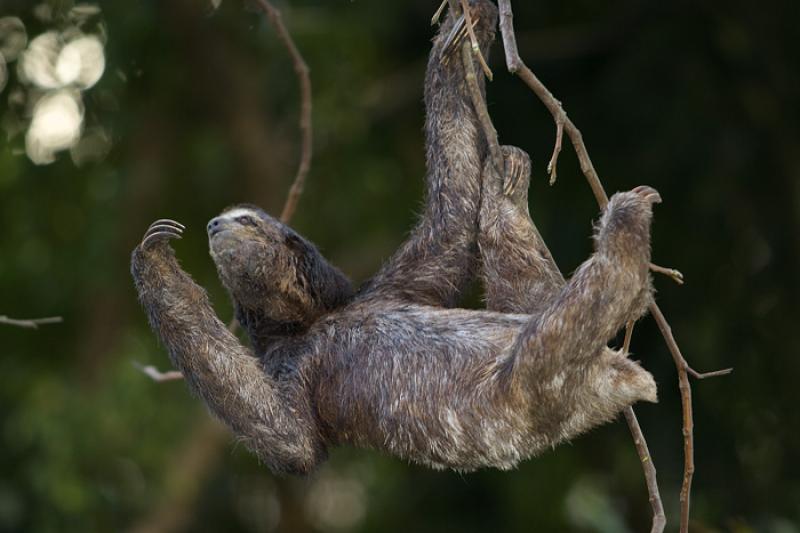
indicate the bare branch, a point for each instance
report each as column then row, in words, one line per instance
column 32, row 323
column 676, row 275
column 659, row 518
column 552, row 166
column 705, row 375
column 156, row 375
column 626, row 344
column 304, row 80
column 479, row 105
column 517, row 66
column 438, row 15
column 476, row 49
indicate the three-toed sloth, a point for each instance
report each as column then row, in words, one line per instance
column 394, row 366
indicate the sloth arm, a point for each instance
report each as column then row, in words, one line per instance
column 439, row 258
column 273, row 418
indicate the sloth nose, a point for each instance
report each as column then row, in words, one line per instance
column 215, row 226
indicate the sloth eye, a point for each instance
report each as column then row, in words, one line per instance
column 246, row 220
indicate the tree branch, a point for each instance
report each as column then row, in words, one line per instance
column 676, row 275
column 517, row 66
column 32, row 323
column 479, row 106
column 476, row 49
column 659, row 518
column 304, row 80
column 156, row 375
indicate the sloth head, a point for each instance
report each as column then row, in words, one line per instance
column 271, row 272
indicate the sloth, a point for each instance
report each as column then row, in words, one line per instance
column 395, row 366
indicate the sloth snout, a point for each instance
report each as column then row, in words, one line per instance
column 215, row 226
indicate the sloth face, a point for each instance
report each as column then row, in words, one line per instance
column 258, row 261
column 272, row 272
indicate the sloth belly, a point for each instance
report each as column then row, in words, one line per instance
column 424, row 386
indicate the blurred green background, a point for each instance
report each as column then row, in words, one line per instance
column 197, row 108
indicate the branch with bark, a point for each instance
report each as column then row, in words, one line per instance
column 304, row 80
column 565, row 125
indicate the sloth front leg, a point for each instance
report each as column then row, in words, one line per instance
column 438, row 259
column 272, row 418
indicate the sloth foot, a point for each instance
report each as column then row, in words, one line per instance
column 516, row 175
column 648, row 193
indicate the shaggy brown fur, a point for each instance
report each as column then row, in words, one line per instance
column 394, row 367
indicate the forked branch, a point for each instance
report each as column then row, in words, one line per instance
column 564, row 124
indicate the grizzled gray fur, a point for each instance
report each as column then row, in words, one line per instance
column 394, row 366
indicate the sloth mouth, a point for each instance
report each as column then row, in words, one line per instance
column 216, row 231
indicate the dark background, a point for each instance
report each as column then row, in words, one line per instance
column 698, row 99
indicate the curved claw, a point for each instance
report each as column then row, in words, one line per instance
column 163, row 227
column 517, row 170
column 158, row 236
column 162, row 230
column 648, row 193
column 456, row 35
column 457, row 32
column 168, row 222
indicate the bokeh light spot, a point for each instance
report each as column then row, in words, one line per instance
column 3, row 72
column 81, row 62
column 56, row 126
column 38, row 63
column 13, row 37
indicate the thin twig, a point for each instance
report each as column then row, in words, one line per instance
column 684, row 370
column 659, row 517
column 304, row 79
column 552, row 166
column 157, row 375
column 32, row 323
column 688, row 417
column 476, row 49
column 626, row 344
column 517, row 66
column 296, row 190
column 676, row 275
column 479, row 105
column 438, row 15
column 705, row 375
